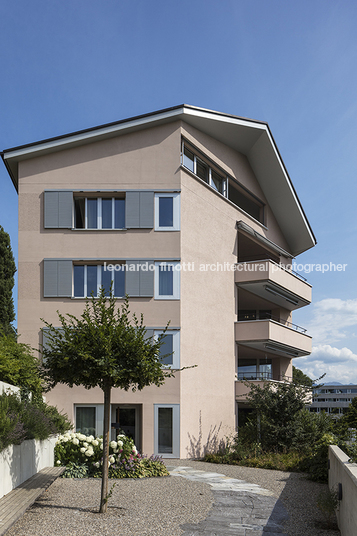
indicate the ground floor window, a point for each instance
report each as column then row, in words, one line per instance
column 167, row 430
column 85, row 420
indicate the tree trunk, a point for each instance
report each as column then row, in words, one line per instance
column 106, row 439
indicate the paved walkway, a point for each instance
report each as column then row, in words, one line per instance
column 239, row 508
column 15, row 503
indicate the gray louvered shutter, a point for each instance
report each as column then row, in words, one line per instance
column 64, row 282
column 149, row 334
column 65, row 205
column 50, row 274
column 147, row 279
column 51, row 209
column 132, row 279
column 147, row 210
column 58, row 210
column 45, row 338
column 57, row 278
column 132, row 210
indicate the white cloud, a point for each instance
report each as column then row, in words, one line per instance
column 339, row 365
column 332, row 319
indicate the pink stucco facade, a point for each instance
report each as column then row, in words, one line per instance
column 211, row 300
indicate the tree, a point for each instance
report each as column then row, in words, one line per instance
column 350, row 417
column 19, row 366
column 105, row 347
column 301, row 378
column 7, row 272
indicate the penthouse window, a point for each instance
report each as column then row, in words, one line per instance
column 212, row 175
column 99, row 212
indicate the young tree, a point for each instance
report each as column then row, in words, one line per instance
column 7, row 272
column 105, row 347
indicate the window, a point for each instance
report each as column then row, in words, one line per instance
column 170, row 349
column 254, row 369
column 223, row 184
column 99, row 213
column 85, row 420
column 167, row 431
column 167, row 280
column 88, row 279
column 167, row 212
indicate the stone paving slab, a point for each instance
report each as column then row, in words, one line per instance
column 240, row 508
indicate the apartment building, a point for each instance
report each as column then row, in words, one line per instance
column 333, row 399
column 192, row 214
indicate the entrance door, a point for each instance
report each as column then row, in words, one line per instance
column 126, row 420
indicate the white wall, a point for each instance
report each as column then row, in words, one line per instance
column 7, row 388
column 20, row 462
column 345, row 473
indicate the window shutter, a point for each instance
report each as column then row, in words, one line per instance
column 50, row 279
column 64, row 285
column 58, row 210
column 57, row 278
column 147, row 280
column 132, row 210
column 51, row 209
column 147, row 210
column 65, row 204
column 149, row 334
column 132, row 279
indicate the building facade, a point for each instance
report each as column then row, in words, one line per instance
column 191, row 213
column 332, row 399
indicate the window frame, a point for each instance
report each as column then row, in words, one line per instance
column 99, row 281
column 175, row 209
column 175, row 347
column 175, row 281
column 175, row 430
column 99, row 200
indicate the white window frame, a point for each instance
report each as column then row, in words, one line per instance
column 99, row 214
column 176, row 281
column 176, row 212
column 99, row 416
column 175, row 346
column 99, row 281
column 175, row 430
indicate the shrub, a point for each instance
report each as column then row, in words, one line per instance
column 76, row 450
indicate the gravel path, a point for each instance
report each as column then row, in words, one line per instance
column 158, row 506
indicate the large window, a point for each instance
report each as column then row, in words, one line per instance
column 85, row 420
column 88, row 279
column 167, row 432
column 167, row 212
column 254, row 369
column 99, row 212
column 219, row 181
column 167, row 280
column 170, row 349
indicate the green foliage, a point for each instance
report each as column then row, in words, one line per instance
column 104, row 347
column 28, row 419
column 7, row 272
column 76, row 450
column 328, row 504
column 349, row 419
column 300, row 378
column 18, row 366
column 75, row 470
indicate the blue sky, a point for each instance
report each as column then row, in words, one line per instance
column 73, row 64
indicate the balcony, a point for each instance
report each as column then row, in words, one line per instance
column 273, row 282
column 272, row 336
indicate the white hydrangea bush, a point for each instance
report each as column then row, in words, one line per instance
column 75, row 447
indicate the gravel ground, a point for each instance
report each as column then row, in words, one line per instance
column 158, row 506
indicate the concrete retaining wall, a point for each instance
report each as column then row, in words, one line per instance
column 7, row 388
column 345, row 473
column 20, row 462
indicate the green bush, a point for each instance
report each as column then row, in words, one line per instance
column 76, row 450
column 28, row 419
column 18, row 366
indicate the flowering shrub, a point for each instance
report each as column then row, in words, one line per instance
column 76, row 449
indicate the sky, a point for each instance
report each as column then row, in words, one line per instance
column 68, row 65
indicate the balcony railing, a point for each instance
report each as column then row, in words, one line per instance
column 262, row 376
column 276, row 319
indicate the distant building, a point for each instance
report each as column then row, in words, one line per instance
column 333, row 399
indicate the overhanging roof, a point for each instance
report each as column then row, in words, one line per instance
column 252, row 138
